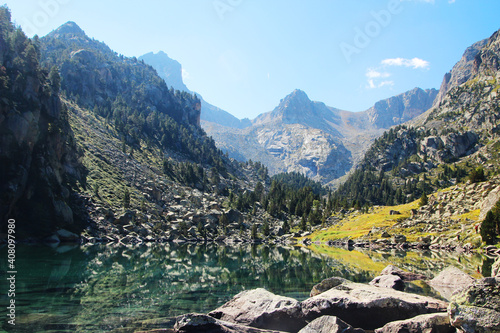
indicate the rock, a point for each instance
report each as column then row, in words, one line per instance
column 477, row 307
column 388, row 281
column 125, row 218
column 199, row 323
column 367, row 306
column 394, row 212
column 329, row 324
column 67, row 236
column 449, row 281
column 428, row 323
column 399, row 239
column 405, row 276
column 262, row 309
column 325, row 285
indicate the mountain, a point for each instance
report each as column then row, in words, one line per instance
column 171, row 71
column 322, row 142
column 40, row 168
column 443, row 145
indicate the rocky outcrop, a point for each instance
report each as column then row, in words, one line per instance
column 262, row 309
column 434, row 322
column 367, row 306
column 329, row 324
column 325, row 285
column 38, row 156
column 476, row 308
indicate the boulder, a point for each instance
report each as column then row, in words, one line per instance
column 200, row 323
column 325, row 285
column 477, row 307
column 67, row 236
column 449, row 281
column 367, row 306
column 405, row 276
column 428, row 323
column 125, row 218
column 399, row 239
column 262, row 309
column 388, row 281
column 329, row 324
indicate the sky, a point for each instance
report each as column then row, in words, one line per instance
column 244, row 56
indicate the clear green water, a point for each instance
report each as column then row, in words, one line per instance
column 126, row 289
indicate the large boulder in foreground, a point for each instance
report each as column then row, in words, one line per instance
column 477, row 307
column 329, row 324
column 428, row 323
column 369, row 307
column 200, row 323
column 450, row 280
column 262, row 309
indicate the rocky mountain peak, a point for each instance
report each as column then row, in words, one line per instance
column 295, row 107
column 68, row 29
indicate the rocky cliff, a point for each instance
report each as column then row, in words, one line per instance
column 39, row 165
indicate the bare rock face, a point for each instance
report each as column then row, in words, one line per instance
column 489, row 202
column 262, row 309
column 329, row 324
column 477, row 308
column 450, row 280
column 434, row 322
column 367, row 306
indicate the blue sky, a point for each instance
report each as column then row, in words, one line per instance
column 245, row 55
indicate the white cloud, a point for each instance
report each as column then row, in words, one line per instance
column 414, row 63
column 374, row 74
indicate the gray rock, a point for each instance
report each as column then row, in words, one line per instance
column 388, row 281
column 449, row 281
column 477, row 307
column 198, row 323
column 125, row 218
column 405, row 276
column 428, row 323
column 367, row 306
column 262, row 309
column 399, row 239
column 495, row 269
column 325, row 285
column 329, row 324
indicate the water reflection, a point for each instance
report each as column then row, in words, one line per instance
column 118, row 288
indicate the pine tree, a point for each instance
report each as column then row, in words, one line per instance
column 126, row 198
column 424, row 200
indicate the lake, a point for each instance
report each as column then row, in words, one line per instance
column 111, row 288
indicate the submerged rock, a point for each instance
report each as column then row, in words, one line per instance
column 428, row 323
column 262, row 309
column 477, row 307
